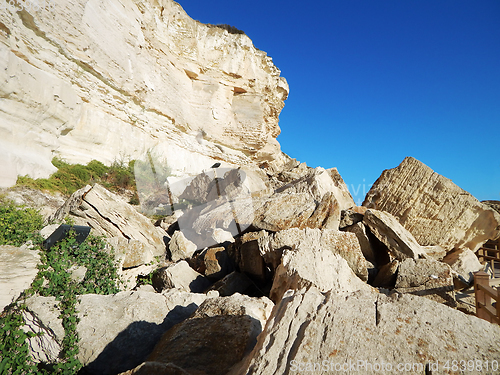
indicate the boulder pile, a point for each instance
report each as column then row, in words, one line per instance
column 283, row 279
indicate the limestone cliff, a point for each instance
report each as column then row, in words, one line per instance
column 90, row 79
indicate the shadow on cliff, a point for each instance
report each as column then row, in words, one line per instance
column 131, row 346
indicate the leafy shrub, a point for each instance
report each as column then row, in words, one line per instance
column 230, row 29
column 18, row 224
column 69, row 178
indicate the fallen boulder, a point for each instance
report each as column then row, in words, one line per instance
column 427, row 278
column 388, row 230
column 367, row 333
column 312, row 261
column 464, row 262
column 117, row 332
column 180, row 247
column 217, row 336
column 180, row 276
column 109, row 215
column 432, row 208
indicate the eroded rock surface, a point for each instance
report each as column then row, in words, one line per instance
column 389, row 231
column 74, row 78
column 214, row 338
column 18, row 268
column 109, row 215
column 309, row 327
column 117, row 332
column 432, row 208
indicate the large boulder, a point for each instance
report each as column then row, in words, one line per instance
column 428, row 278
column 117, row 332
column 109, row 215
column 318, row 182
column 359, row 333
column 216, row 337
column 130, row 253
column 464, row 262
column 297, row 210
column 180, row 276
column 388, row 230
column 433, row 208
column 180, row 247
column 312, row 258
column 18, row 269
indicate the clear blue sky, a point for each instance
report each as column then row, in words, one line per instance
column 374, row 81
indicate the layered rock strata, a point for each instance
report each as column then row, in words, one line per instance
column 96, row 80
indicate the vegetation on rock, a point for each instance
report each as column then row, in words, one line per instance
column 19, row 224
column 71, row 177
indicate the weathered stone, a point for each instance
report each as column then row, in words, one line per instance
column 46, row 203
column 427, row 278
column 77, row 273
column 433, row 208
column 116, row 332
column 217, row 336
column 435, row 252
column 42, row 319
column 464, row 262
column 180, row 276
column 217, row 263
column 130, row 253
column 349, row 218
column 18, row 269
column 388, row 230
column 180, row 247
column 283, row 211
column 493, row 204
column 363, row 329
column 359, row 230
column 318, row 182
column 312, row 261
column 347, row 246
column 247, row 256
column 197, row 190
column 109, row 215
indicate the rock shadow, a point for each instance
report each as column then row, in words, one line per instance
column 131, row 346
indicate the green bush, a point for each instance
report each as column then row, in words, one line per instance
column 69, row 178
column 18, row 224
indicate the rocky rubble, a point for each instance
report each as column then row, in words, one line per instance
column 366, row 278
column 308, row 328
column 264, row 267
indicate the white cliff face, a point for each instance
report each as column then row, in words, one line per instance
column 90, row 79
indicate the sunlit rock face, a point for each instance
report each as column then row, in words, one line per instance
column 89, row 79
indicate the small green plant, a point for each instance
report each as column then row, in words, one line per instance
column 18, row 224
column 53, row 279
column 14, row 352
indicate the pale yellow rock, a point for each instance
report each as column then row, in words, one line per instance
column 106, row 79
column 433, row 208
